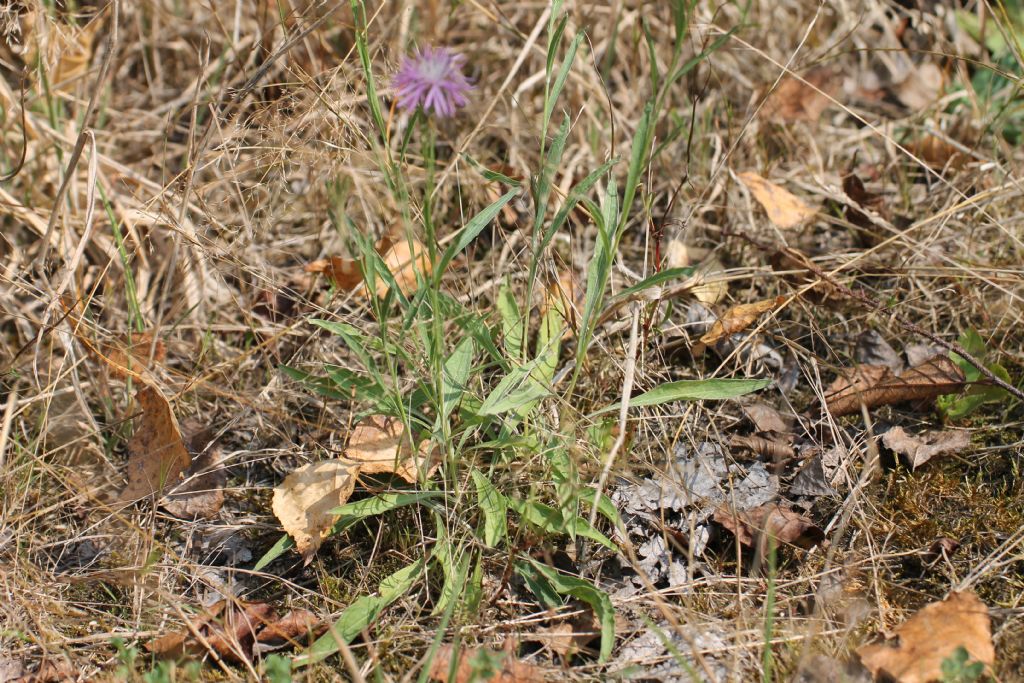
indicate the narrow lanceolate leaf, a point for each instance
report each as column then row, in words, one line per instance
column 552, row 521
column 494, row 507
column 588, row 593
column 694, row 390
column 517, row 389
column 362, row 613
column 473, row 228
column 512, row 322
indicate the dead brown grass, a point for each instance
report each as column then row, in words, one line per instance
column 227, row 133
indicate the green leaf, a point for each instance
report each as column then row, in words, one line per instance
column 550, row 520
column 515, row 390
column 956, row 407
column 512, row 322
column 352, row 513
column 457, row 369
column 454, row 575
column 494, row 507
column 469, row 233
column 693, row 390
column 563, row 74
column 588, row 593
column 491, row 175
column 655, row 280
column 361, row 613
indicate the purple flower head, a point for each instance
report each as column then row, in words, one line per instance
column 432, row 78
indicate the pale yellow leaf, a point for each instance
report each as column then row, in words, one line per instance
column 304, row 500
column 739, row 318
column 380, row 446
column 404, row 258
column 930, row 637
column 708, row 284
column 784, row 209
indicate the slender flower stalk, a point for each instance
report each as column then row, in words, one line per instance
column 432, row 78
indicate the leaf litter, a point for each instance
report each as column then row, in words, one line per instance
column 876, row 385
column 923, row 642
column 239, row 630
column 305, row 500
column 917, row 450
column 784, row 208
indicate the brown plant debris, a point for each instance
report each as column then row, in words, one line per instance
column 784, row 208
column 404, row 257
column 806, row 99
column 231, row 628
column 925, row 640
column 304, row 501
column 157, row 454
column 874, row 386
column 779, row 522
column 380, row 445
column 482, row 664
column 917, row 450
column 766, row 419
column 739, row 318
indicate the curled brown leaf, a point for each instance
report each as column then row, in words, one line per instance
column 874, row 386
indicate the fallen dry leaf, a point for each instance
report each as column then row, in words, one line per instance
column 784, row 209
column 232, row 628
column 201, row 495
column 379, row 445
column 52, row 670
column 404, row 257
column 229, row 628
column 304, row 500
column 136, row 355
column 343, row 272
column 706, row 285
column 922, row 87
column 294, row 628
column 739, row 318
column 917, row 450
column 572, row 635
column 802, row 100
column 469, row 669
column 931, row 636
column 938, row 152
column 679, row 254
column 775, row 450
column 868, row 234
column 776, row 521
column 766, row 418
column 157, row 455
column 876, row 386
column 872, row 349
